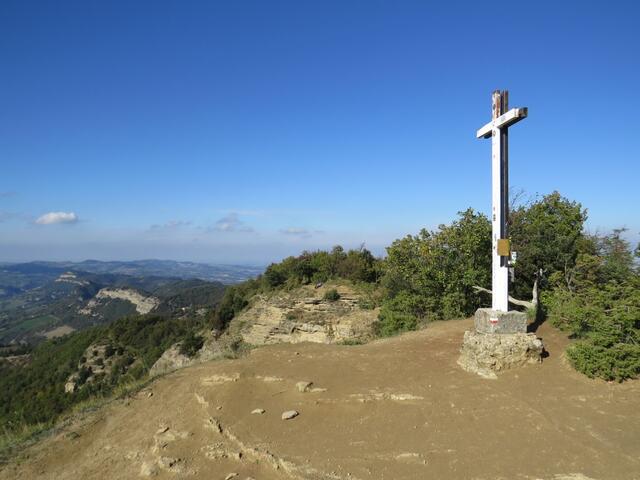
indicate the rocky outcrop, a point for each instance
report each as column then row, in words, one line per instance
column 305, row 315
column 144, row 304
column 214, row 347
column 301, row 315
column 486, row 354
column 70, row 277
column 97, row 362
column 170, row 360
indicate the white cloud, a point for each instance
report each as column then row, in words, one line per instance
column 170, row 225
column 231, row 223
column 57, row 217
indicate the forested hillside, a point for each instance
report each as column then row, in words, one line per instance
column 42, row 301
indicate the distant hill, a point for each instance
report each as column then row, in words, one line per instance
column 41, row 300
column 144, row 268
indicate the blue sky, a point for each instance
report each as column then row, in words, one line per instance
column 241, row 132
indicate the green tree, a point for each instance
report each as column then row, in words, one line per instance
column 431, row 275
column 547, row 235
column 600, row 307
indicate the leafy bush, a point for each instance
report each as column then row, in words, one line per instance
column 191, row 344
column 547, row 234
column 399, row 314
column 618, row 362
column 431, row 275
column 320, row 266
column 602, row 310
column 332, row 295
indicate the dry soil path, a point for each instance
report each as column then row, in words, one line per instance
column 394, row 409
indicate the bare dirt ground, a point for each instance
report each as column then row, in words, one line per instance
column 394, row 409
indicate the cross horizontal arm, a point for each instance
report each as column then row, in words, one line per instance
column 505, row 120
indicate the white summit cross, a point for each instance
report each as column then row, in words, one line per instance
column 498, row 130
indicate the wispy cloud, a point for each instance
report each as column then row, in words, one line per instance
column 299, row 232
column 52, row 218
column 231, row 223
column 170, row 225
column 4, row 216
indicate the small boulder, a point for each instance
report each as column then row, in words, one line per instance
column 289, row 414
column 304, row 386
column 258, row 411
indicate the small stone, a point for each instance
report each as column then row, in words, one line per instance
column 213, row 424
column 148, row 470
column 304, row 386
column 231, row 475
column 258, row 411
column 289, row 414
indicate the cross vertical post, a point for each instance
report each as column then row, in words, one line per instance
column 498, row 131
column 499, row 215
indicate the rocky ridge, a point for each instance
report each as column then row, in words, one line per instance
column 144, row 304
column 300, row 315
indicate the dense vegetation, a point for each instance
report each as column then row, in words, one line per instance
column 35, row 393
column 430, row 276
column 597, row 300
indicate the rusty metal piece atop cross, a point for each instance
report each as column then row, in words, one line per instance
column 498, row 130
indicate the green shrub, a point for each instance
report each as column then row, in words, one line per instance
column 332, row 295
column 391, row 322
column 399, row 314
column 294, row 315
column 605, row 317
column 439, row 269
column 366, row 303
column 191, row 344
column 618, row 362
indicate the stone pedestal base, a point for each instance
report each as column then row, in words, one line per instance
column 495, row 321
column 486, row 354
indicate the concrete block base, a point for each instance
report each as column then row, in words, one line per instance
column 494, row 321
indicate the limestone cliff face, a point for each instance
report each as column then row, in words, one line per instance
column 300, row 315
column 304, row 315
column 143, row 304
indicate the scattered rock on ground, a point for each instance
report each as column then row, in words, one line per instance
column 304, row 386
column 289, row 414
column 258, row 411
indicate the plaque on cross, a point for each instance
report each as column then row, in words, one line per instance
column 498, row 130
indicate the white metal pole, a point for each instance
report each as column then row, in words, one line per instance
column 499, row 273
